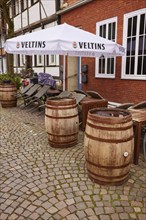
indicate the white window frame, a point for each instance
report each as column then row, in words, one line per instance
column 126, row 17
column 105, row 75
column 22, row 60
column 51, row 62
column 39, row 60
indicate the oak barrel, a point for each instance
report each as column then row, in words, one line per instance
column 108, row 145
column 7, row 97
column 62, row 122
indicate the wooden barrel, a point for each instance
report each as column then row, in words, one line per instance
column 108, row 145
column 7, row 97
column 62, row 122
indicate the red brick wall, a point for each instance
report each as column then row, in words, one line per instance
column 118, row 90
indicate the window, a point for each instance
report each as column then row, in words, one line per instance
column 105, row 67
column 17, row 7
column 22, row 60
column 134, row 36
column 51, row 60
column 39, row 60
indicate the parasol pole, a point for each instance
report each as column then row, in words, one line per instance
column 64, row 69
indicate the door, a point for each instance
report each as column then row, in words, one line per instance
column 72, row 73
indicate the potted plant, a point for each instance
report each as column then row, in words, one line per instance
column 9, row 84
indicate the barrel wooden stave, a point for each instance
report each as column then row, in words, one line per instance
column 105, row 143
column 7, row 97
column 62, row 122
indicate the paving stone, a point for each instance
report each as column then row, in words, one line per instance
column 89, row 211
column 104, row 217
column 72, row 217
column 124, row 216
column 64, row 212
column 115, row 216
column 52, row 210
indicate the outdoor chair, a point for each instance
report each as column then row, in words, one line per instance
column 94, row 94
column 125, row 105
column 39, row 97
column 23, row 91
column 139, row 105
column 80, row 91
column 30, row 92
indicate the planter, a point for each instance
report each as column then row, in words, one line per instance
column 7, row 92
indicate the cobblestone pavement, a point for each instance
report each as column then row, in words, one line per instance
column 40, row 182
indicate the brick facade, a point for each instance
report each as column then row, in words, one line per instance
column 86, row 16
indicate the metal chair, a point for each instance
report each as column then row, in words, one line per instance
column 139, row 105
column 23, row 91
column 36, row 97
column 125, row 105
column 94, row 94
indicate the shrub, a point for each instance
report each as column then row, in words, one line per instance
column 7, row 78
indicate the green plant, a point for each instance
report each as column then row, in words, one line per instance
column 8, row 78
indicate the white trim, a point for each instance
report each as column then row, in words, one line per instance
column 125, row 23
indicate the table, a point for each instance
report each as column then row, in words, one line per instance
column 52, row 92
column 139, row 120
column 88, row 103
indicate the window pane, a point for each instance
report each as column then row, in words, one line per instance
column 139, row 65
column 103, row 66
column 133, row 46
column 99, row 66
column 134, row 25
column 108, row 65
column 140, row 49
column 109, row 31
column 144, row 66
column 129, row 27
column 145, row 44
column 128, row 46
column 127, row 65
column 100, row 31
column 112, row 65
column 142, row 20
column 104, row 31
column 113, row 31
column 132, row 65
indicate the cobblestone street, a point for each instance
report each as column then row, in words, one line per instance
column 39, row 182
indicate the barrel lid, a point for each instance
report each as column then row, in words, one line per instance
column 61, row 101
column 109, row 115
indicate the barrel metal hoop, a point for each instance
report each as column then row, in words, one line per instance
column 59, row 135
column 61, row 107
column 109, row 140
column 63, row 142
column 61, row 117
column 109, row 167
column 109, row 128
column 108, row 177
